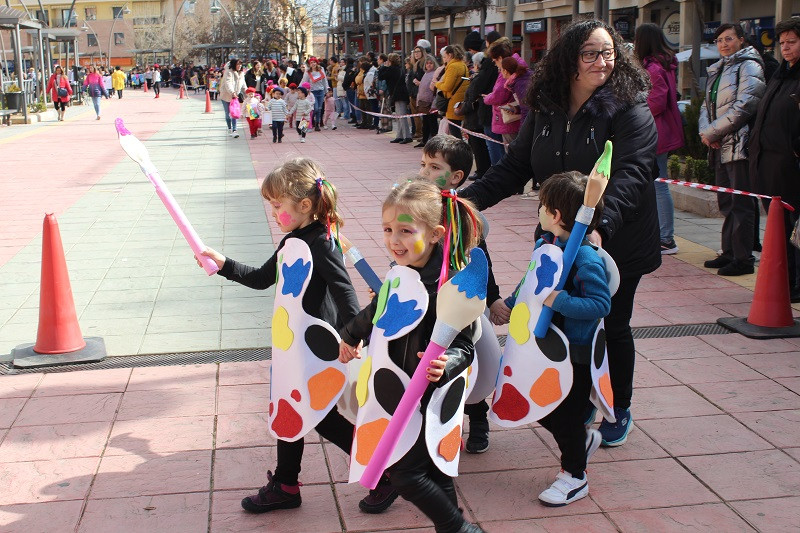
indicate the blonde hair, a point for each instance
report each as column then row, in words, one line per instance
column 302, row 178
column 426, row 203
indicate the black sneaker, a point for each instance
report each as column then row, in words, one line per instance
column 736, row 268
column 719, row 262
column 380, row 498
column 669, row 247
column 273, row 496
column 478, row 441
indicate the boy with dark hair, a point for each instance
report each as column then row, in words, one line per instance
column 447, row 161
column 584, row 301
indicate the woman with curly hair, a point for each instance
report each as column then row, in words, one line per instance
column 586, row 91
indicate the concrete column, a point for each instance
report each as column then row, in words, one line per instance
column 575, row 9
column 346, row 42
column 20, row 70
column 510, row 18
column 690, row 37
column 483, row 22
column 428, row 36
column 412, row 41
column 451, row 32
column 404, row 36
column 598, row 9
column 727, row 12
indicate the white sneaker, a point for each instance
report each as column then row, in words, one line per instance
column 235, row 134
column 593, row 440
column 302, row 140
column 565, row 490
column 325, row 126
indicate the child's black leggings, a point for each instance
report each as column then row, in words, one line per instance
column 566, row 422
column 334, row 427
column 417, row 479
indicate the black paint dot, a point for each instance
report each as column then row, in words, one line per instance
column 388, row 389
column 552, row 346
column 322, row 343
column 600, row 348
column 452, row 399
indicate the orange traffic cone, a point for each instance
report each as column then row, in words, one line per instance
column 59, row 332
column 182, row 93
column 771, row 312
column 208, row 103
column 144, row 85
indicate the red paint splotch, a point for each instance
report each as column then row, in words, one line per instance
column 287, row 422
column 507, row 371
column 296, row 395
column 512, row 405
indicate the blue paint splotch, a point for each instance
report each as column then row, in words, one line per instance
column 294, row 276
column 472, row 280
column 545, row 273
column 398, row 315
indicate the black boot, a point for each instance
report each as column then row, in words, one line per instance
column 478, row 441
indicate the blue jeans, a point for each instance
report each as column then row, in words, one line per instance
column 344, row 106
column 666, row 221
column 319, row 103
column 351, row 97
column 496, row 150
column 96, row 103
column 376, row 108
column 228, row 119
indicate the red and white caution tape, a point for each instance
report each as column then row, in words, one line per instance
column 720, row 189
column 374, row 114
column 474, row 133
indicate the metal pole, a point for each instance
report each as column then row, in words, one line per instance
column 328, row 34
column 575, row 9
column 43, row 73
column 235, row 37
column 451, row 32
column 253, row 27
column 510, row 18
column 111, row 33
column 403, row 35
column 428, row 29
column 483, row 21
column 726, row 14
column 172, row 40
column 390, row 47
column 18, row 50
column 365, row 17
column 346, row 43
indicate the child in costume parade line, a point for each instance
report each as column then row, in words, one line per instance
column 301, row 111
column 553, row 379
column 447, row 161
column 399, row 322
column 314, row 295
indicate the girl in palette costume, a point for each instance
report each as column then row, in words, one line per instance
column 552, row 379
column 313, row 296
column 399, row 322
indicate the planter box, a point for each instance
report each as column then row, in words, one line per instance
column 697, row 201
column 15, row 101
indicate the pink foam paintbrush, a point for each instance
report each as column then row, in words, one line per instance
column 460, row 302
column 137, row 151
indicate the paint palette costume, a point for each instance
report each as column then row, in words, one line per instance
column 307, row 378
column 536, row 373
column 403, row 301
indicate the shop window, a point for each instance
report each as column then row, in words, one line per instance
column 91, row 39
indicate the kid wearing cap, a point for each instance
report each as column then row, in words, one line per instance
column 254, row 109
column 277, row 107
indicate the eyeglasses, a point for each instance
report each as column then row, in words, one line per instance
column 590, row 56
column 727, row 39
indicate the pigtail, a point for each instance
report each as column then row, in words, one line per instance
column 325, row 202
column 462, row 229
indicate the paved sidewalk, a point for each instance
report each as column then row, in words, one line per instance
column 716, row 445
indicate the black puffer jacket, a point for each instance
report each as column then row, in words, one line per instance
column 549, row 143
column 395, row 82
column 775, row 139
column 476, row 113
column 403, row 351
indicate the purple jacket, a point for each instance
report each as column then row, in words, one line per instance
column 500, row 96
column 663, row 102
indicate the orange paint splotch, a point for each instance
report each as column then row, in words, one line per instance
column 324, row 386
column 450, row 444
column 367, row 437
column 606, row 390
column 547, row 388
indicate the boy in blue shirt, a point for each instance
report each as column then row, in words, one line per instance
column 579, row 307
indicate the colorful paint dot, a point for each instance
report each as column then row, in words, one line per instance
column 403, row 217
column 285, row 218
column 518, row 324
column 282, row 336
column 507, row 371
column 362, row 385
column 441, row 182
column 395, row 283
column 419, row 247
column 296, row 395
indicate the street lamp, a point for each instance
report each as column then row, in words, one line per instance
column 123, row 11
column 86, row 28
column 216, row 5
column 214, row 9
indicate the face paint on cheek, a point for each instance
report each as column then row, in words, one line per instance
column 285, row 218
column 419, row 247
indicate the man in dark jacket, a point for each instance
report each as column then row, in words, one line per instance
column 477, row 115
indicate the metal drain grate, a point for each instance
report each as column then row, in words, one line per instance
column 168, row 359
column 261, row 354
column 687, row 330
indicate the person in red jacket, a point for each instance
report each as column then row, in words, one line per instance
column 656, row 56
column 60, row 91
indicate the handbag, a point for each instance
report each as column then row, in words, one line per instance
column 423, row 106
column 510, row 116
column 235, row 109
column 62, row 92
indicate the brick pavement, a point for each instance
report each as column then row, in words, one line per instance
column 716, row 443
